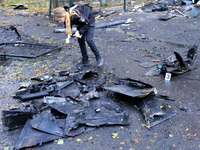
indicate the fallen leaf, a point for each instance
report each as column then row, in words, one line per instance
column 60, row 141
column 78, row 140
column 195, row 134
column 114, row 135
column 155, row 136
column 122, row 142
column 90, row 138
column 136, row 139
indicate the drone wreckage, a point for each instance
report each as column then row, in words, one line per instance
column 76, row 101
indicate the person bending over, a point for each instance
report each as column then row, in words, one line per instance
column 83, row 18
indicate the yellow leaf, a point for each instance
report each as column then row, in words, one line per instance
column 90, row 138
column 136, row 139
column 121, row 148
column 114, row 135
column 78, row 140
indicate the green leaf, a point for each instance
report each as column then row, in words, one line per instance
column 114, row 135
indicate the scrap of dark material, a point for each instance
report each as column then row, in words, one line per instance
column 132, row 88
column 46, row 123
column 71, row 91
column 13, row 119
column 107, row 14
column 158, row 6
column 34, row 95
column 109, row 114
column 155, row 110
column 87, row 74
column 16, row 31
column 18, row 49
column 166, row 17
column 191, row 55
column 30, row 137
column 73, row 122
column 81, row 129
column 108, row 24
column 155, row 71
column 175, row 64
column 20, row 7
column 182, row 65
column 67, row 108
column 38, row 90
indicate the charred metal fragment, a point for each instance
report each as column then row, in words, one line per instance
column 18, row 35
column 90, row 117
column 34, row 95
column 13, row 119
column 158, row 6
column 67, row 83
column 90, row 95
column 81, row 129
column 20, row 7
column 155, row 109
column 46, row 123
column 108, row 24
column 16, row 49
column 182, row 65
column 38, row 90
column 87, row 74
column 71, row 91
column 73, row 122
column 175, row 64
column 64, row 73
column 132, row 88
column 166, row 17
column 154, row 71
column 30, row 137
column 67, row 108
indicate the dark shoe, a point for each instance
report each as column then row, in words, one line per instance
column 100, row 62
column 83, row 63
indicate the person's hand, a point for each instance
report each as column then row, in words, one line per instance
column 68, row 39
column 77, row 34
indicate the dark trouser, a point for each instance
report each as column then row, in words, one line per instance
column 88, row 36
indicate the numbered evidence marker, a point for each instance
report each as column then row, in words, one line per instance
column 168, row 76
